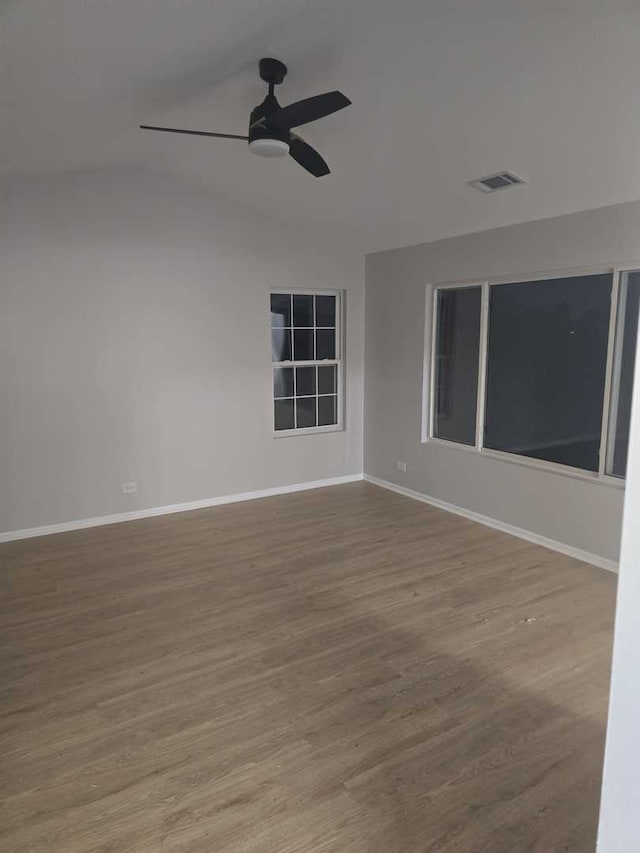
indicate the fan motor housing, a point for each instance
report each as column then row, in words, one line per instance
column 261, row 132
column 268, row 142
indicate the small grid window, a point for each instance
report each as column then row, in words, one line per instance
column 306, row 361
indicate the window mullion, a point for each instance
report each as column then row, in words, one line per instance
column 482, row 366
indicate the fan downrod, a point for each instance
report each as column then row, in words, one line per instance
column 272, row 71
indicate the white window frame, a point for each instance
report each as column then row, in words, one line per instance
column 612, row 369
column 338, row 361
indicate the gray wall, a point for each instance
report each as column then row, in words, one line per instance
column 134, row 345
column 578, row 513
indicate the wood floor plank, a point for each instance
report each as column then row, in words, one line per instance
column 337, row 671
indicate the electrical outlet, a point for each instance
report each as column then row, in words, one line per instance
column 127, row 488
column 401, row 466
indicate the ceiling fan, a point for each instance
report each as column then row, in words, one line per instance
column 270, row 124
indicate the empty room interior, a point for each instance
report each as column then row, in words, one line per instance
column 319, row 435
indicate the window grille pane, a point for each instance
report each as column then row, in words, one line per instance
column 280, row 344
column 547, row 352
column 283, row 382
column 306, row 412
column 302, row 310
column 305, row 381
column 280, row 310
column 326, row 311
column 456, row 367
column 303, row 344
column 325, row 343
column 283, row 414
column 327, row 380
column 327, row 410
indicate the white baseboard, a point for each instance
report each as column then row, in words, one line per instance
column 520, row 532
column 101, row 520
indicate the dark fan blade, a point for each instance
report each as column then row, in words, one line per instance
column 302, row 112
column 193, row 132
column 307, row 157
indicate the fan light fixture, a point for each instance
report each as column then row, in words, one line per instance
column 269, row 147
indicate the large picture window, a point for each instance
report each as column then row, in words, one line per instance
column 546, row 366
column 306, row 361
column 538, row 369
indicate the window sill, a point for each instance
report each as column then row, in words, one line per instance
column 527, row 462
column 289, row 433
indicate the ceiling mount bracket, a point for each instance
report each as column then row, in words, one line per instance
column 272, row 71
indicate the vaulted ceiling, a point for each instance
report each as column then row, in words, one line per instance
column 443, row 91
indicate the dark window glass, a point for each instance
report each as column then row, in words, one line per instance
column 547, row 352
column 306, row 412
column 280, row 310
column 303, row 344
column 456, row 367
column 326, row 311
column 327, row 411
column 283, row 414
column 283, row 382
column 305, row 381
column 325, row 343
column 624, row 368
column 327, row 380
column 302, row 310
column 281, row 344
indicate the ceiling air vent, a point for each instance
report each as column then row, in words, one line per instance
column 499, row 181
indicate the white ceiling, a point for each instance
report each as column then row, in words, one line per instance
column 443, row 91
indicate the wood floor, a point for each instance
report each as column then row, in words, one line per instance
column 337, row 671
